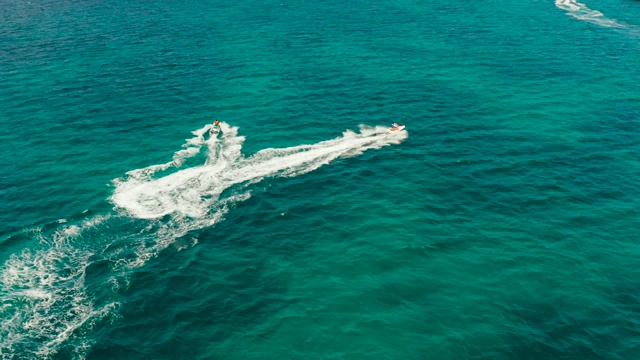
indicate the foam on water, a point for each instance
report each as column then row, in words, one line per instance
column 44, row 301
column 583, row 12
column 43, row 296
column 198, row 197
column 193, row 191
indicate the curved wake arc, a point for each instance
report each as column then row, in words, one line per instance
column 53, row 294
column 582, row 12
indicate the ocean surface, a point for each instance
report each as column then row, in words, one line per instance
column 502, row 224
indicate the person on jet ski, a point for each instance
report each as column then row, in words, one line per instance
column 215, row 128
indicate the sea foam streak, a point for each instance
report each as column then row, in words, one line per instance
column 43, row 299
column 53, row 294
column 583, row 12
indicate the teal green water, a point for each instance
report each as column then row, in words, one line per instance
column 501, row 225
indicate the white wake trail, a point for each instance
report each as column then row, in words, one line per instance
column 52, row 295
column 583, row 12
column 193, row 192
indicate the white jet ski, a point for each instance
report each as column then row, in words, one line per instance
column 396, row 127
column 215, row 130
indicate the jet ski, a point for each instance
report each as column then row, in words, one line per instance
column 396, row 127
column 215, row 130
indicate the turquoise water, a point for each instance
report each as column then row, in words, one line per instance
column 501, row 225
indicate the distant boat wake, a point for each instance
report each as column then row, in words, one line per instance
column 53, row 294
column 583, row 12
